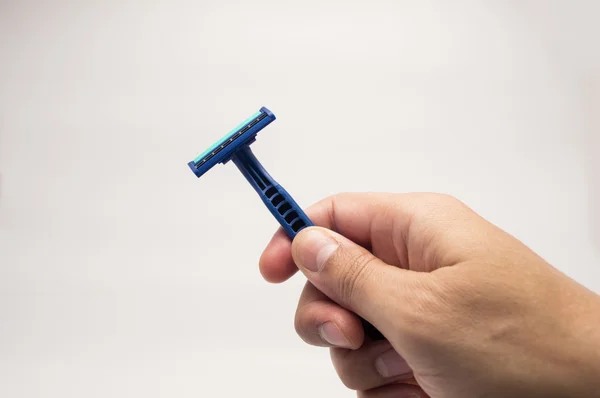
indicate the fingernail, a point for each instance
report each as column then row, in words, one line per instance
column 331, row 334
column 391, row 364
column 316, row 249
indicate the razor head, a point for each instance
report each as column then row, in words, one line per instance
column 242, row 135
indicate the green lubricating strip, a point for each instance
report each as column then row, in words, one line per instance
column 226, row 137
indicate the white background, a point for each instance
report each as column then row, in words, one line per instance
column 123, row 275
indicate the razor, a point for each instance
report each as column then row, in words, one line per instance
column 235, row 146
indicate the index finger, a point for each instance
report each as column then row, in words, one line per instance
column 360, row 217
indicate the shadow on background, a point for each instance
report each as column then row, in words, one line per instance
column 592, row 142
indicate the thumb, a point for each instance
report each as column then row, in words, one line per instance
column 349, row 274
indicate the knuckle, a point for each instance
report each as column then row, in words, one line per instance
column 298, row 323
column 303, row 321
column 450, row 199
column 351, row 280
column 344, row 368
column 426, row 301
column 432, row 311
column 350, row 383
column 441, row 198
column 440, row 202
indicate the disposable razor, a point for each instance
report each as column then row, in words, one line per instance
column 235, row 146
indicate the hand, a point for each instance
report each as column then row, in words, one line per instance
column 466, row 308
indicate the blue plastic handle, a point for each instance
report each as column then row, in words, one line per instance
column 280, row 203
column 283, row 207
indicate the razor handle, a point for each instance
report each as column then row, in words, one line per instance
column 281, row 204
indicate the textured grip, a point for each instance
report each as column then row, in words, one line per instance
column 283, row 207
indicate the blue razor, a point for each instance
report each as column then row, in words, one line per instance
column 235, row 146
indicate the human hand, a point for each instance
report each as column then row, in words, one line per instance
column 465, row 307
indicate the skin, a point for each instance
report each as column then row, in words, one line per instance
column 467, row 309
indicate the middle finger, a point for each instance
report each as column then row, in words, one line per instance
column 321, row 322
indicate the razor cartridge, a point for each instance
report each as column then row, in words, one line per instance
column 235, row 146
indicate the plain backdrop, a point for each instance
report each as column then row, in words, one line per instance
column 122, row 275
